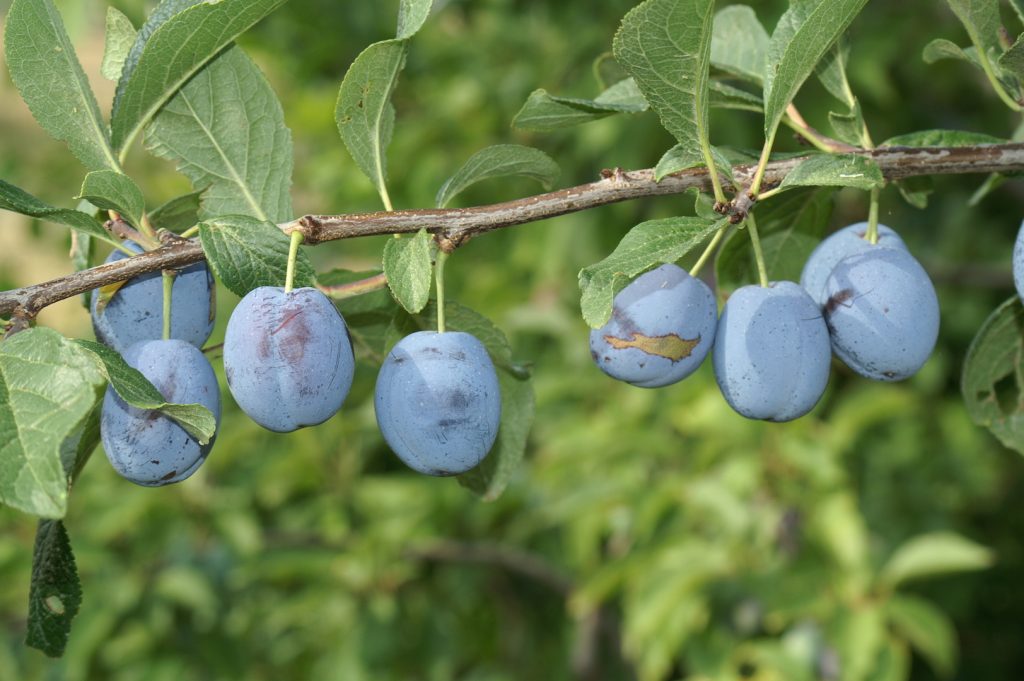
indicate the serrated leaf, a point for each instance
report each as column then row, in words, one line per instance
column 47, row 73
column 680, row 158
column 835, row 170
column 55, row 593
column 175, row 51
column 981, row 19
column 412, row 14
column 790, row 226
column 503, row 160
column 157, row 18
column 136, row 390
column 246, row 253
column 544, row 112
column 225, row 131
column 409, row 269
column 927, row 629
column 993, row 377
column 178, row 214
column 666, row 46
column 48, row 390
column 647, row 245
column 109, row 190
column 20, row 201
column 364, row 112
column 934, row 554
column 119, row 37
column 941, row 138
column 802, row 37
column 739, row 43
column 940, row 49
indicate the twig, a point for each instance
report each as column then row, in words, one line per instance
column 460, row 224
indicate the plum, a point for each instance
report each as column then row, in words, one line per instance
column 438, row 402
column 882, row 313
column 661, row 329
column 772, row 354
column 135, row 312
column 1018, row 262
column 288, row 358
column 143, row 445
column 845, row 242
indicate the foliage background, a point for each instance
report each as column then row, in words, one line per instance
column 699, row 538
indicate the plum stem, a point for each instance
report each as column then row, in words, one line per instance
column 168, row 279
column 706, row 255
column 755, row 240
column 872, row 234
column 293, row 254
column 439, row 279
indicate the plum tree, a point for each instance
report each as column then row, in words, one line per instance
column 771, row 353
column 144, row 446
column 133, row 312
column 882, row 313
column 845, row 242
column 287, row 357
column 661, row 329
column 437, row 401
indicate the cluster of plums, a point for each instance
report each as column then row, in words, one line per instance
column 289, row 363
column 872, row 305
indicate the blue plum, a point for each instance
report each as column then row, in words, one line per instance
column 772, row 354
column 1018, row 262
column 145, row 446
column 438, row 402
column 842, row 243
column 661, row 329
column 135, row 312
column 882, row 313
column 288, row 358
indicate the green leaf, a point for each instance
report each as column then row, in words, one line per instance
column 503, row 160
column 1012, row 61
column 941, row 48
column 647, row 245
column 120, row 36
column 178, row 214
column 930, row 555
column 927, row 629
column 680, row 158
column 725, row 96
column 175, row 52
column 981, row 19
column 55, row 593
column 110, row 190
column 666, row 46
column 790, row 225
column 802, row 37
column 157, row 18
column 1018, row 7
column 246, row 253
column 916, row 190
column 941, row 138
column 993, row 378
column 835, row 170
column 46, row 71
column 412, row 14
column 225, row 131
column 892, row 664
column 860, row 638
column 48, row 390
column 364, row 112
column 409, row 268
column 544, row 112
column 18, row 200
column 848, row 127
column 137, row 391
column 739, row 43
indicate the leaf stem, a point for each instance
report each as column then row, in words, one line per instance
column 716, row 181
column 439, row 279
column 168, row 279
column 709, row 251
column 872, row 234
column 762, row 164
column 190, row 232
column 355, row 288
column 755, row 240
column 293, row 254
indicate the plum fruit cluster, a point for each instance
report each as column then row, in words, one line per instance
column 871, row 305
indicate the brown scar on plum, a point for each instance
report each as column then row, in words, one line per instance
column 669, row 346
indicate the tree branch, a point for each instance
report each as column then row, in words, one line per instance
column 460, row 224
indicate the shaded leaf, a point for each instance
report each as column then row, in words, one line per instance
column 18, row 200
column 178, row 214
column 835, row 170
column 412, row 14
column 725, row 96
column 739, row 43
column 647, row 245
column 940, row 49
column 927, row 629
column 47, row 73
column 941, row 138
column 503, row 160
column 679, row 158
column 1012, row 60
column 408, row 265
column 55, row 593
column 225, row 131
column 930, row 555
column 120, row 36
column 545, row 112
column 136, row 390
column 246, row 253
column 114, row 191
column 981, row 19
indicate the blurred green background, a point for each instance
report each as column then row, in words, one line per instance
column 648, row 534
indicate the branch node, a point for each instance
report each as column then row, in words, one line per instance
column 311, row 227
column 21, row 320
